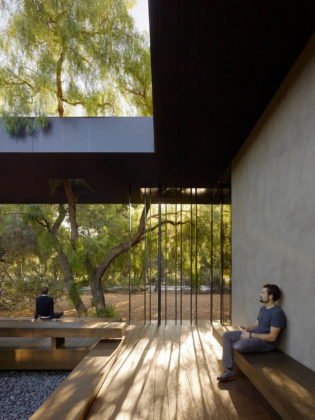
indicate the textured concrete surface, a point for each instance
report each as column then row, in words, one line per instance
column 273, row 211
column 88, row 134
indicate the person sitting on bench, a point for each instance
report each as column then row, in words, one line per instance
column 45, row 307
column 259, row 337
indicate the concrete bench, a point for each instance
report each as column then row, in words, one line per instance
column 286, row 384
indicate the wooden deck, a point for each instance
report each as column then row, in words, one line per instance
column 169, row 372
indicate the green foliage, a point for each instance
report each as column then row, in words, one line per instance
column 57, row 56
column 17, row 126
column 28, row 257
column 108, row 312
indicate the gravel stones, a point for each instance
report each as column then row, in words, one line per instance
column 22, row 392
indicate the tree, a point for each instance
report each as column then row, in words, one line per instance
column 36, row 247
column 60, row 55
column 52, row 228
column 26, row 264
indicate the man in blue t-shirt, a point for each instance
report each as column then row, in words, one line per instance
column 260, row 337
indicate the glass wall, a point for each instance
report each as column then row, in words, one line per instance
column 180, row 268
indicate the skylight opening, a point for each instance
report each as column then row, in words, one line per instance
column 67, row 59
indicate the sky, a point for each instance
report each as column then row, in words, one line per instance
column 141, row 15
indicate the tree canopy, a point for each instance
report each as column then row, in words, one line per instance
column 57, row 56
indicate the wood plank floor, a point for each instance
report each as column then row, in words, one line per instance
column 169, row 372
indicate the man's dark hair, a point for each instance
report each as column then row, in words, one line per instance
column 44, row 290
column 273, row 290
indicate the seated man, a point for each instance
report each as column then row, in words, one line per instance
column 45, row 307
column 259, row 337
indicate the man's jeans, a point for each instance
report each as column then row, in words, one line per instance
column 231, row 340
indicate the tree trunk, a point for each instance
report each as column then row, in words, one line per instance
column 72, row 211
column 97, row 293
column 59, row 84
column 96, row 288
column 97, row 274
column 69, row 280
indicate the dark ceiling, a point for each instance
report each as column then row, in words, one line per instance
column 215, row 67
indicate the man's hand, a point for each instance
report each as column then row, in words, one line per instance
column 33, row 320
column 245, row 335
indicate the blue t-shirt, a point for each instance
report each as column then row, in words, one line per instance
column 267, row 318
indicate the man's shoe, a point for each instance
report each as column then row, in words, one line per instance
column 226, row 375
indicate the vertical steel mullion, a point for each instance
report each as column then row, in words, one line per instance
column 159, row 256
column 211, row 256
column 129, row 259
column 230, row 272
column 165, row 264
column 145, row 258
column 191, row 257
column 176, row 256
column 181, row 256
column 150, row 259
column 221, row 257
column 196, row 256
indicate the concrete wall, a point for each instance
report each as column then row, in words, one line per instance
column 273, row 211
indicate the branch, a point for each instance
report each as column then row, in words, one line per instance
column 101, row 105
column 135, row 92
column 59, row 220
column 156, row 216
column 72, row 103
column 123, row 247
column 43, row 222
column 166, row 222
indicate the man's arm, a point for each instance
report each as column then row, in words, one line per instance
column 36, row 312
column 52, row 307
column 252, row 327
column 272, row 336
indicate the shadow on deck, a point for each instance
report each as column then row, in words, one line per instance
column 169, row 372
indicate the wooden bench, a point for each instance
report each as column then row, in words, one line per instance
column 73, row 398
column 66, row 319
column 57, row 330
column 58, row 356
column 286, row 384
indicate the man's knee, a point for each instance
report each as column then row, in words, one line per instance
column 231, row 336
column 228, row 334
column 241, row 345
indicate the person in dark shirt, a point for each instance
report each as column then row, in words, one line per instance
column 45, row 307
column 260, row 337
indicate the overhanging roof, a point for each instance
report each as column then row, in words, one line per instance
column 215, row 67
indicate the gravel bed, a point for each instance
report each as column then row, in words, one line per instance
column 22, row 392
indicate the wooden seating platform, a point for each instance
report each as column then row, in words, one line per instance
column 169, row 372
column 73, row 397
column 69, row 342
column 286, row 384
